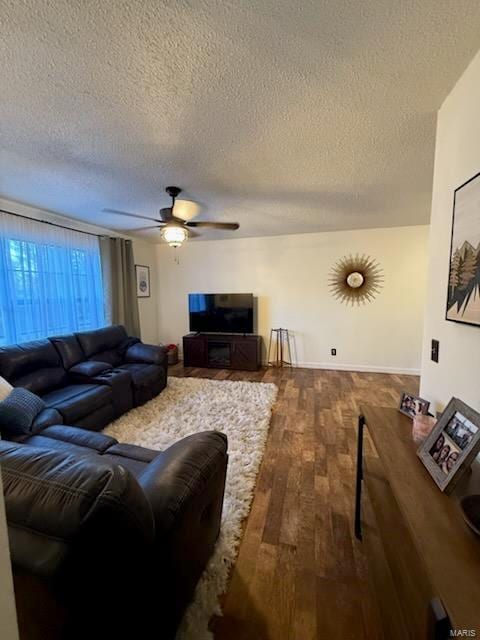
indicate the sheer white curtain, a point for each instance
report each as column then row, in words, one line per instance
column 50, row 280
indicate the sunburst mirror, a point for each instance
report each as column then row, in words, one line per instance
column 356, row 279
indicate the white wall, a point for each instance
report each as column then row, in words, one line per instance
column 457, row 159
column 289, row 275
column 144, row 253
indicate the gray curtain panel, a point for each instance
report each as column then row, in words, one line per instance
column 118, row 270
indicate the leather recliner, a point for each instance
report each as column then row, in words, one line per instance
column 37, row 366
column 146, row 364
column 109, row 540
column 87, row 379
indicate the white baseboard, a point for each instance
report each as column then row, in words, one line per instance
column 361, row 368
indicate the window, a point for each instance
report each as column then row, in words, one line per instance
column 50, row 281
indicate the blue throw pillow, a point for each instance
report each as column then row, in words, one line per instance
column 19, row 410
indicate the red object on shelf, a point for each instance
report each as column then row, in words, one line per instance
column 172, row 353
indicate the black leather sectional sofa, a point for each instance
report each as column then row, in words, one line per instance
column 108, row 540
column 86, row 379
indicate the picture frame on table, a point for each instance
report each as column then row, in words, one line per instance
column 142, row 276
column 413, row 406
column 452, row 445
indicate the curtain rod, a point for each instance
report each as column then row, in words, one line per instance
column 54, row 224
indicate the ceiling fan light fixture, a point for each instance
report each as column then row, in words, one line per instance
column 174, row 236
column 176, row 225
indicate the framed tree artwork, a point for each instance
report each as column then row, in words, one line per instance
column 463, row 300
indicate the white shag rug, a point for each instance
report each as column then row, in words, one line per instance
column 242, row 411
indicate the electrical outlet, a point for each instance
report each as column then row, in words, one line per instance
column 434, row 352
column 333, row 352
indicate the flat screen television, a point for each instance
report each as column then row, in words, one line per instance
column 221, row 312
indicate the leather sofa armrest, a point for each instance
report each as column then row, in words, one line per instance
column 90, row 368
column 81, row 437
column 84, row 372
column 185, row 486
column 182, row 472
column 45, row 419
column 146, row 353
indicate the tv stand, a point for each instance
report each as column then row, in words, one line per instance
column 222, row 351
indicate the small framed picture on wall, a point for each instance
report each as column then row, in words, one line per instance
column 142, row 274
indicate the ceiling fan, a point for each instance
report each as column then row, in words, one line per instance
column 175, row 229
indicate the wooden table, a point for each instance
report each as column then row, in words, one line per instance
column 424, row 561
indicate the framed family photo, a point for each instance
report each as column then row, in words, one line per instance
column 413, row 406
column 142, row 275
column 452, row 445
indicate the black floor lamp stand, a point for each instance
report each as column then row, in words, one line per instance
column 280, row 340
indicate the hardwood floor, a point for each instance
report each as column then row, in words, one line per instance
column 300, row 573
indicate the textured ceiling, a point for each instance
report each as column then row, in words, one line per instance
column 284, row 116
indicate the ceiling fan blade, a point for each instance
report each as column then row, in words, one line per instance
column 157, row 226
column 166, row 214
column 192, row 234
column 179, row 221
column 130, row 215
column 214, row 225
